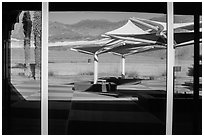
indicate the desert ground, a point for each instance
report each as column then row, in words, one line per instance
column 69, row 64
column 66, row 67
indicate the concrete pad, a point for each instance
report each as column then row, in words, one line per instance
column 59, row 94
column 55, row 96
column 103, row 99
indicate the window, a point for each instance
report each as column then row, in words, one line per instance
column 127, row 97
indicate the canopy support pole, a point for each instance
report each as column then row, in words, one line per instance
column 123, row 67
column 95, row 68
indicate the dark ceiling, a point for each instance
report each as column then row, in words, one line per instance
column 185, row 8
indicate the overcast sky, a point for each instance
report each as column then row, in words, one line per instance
column 74, row 17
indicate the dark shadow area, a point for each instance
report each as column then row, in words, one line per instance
column 121, row 81
column 115, row 128
column 116, row 117
column 113, row 118
column 153, row 101
column 24, row 116
column 58, row 114
column 19, row 117
column 184, row 120
column 108, row 117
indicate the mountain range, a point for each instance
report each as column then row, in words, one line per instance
column 83, row 30
column 86, row 29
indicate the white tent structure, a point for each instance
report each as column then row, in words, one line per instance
column 136, row 36
column 161, row 26
column 136, row 40
column 183, row 32
column 128, row 29
column 133, row 33
column 155, row 35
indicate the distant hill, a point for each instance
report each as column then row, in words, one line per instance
column 61, row 32
column 95, row 27
column 83, row 30
column 177, row 18
column 86, row 29
column 92, row 29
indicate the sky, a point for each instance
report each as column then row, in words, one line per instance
column 74, row 17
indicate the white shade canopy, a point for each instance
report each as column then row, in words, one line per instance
column 136, row 36
column 135, row 33
column 154, row 32
column 150, row 25
column 141, row 34
column 92, row 49
column 128, row 29
column 130, row 49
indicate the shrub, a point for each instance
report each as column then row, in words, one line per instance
column 190, row 71
column 51, row 73
column 87, row 73
column 21, row 74
column 151, row 78
column 163, row 74
column 19, row 65
column 132, row 74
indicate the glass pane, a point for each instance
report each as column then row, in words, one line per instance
column 129, row 96
column 184, row 116
column 22, row 97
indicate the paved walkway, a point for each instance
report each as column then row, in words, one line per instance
column 92, row 109
column 30, row 90
column 140, row 109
